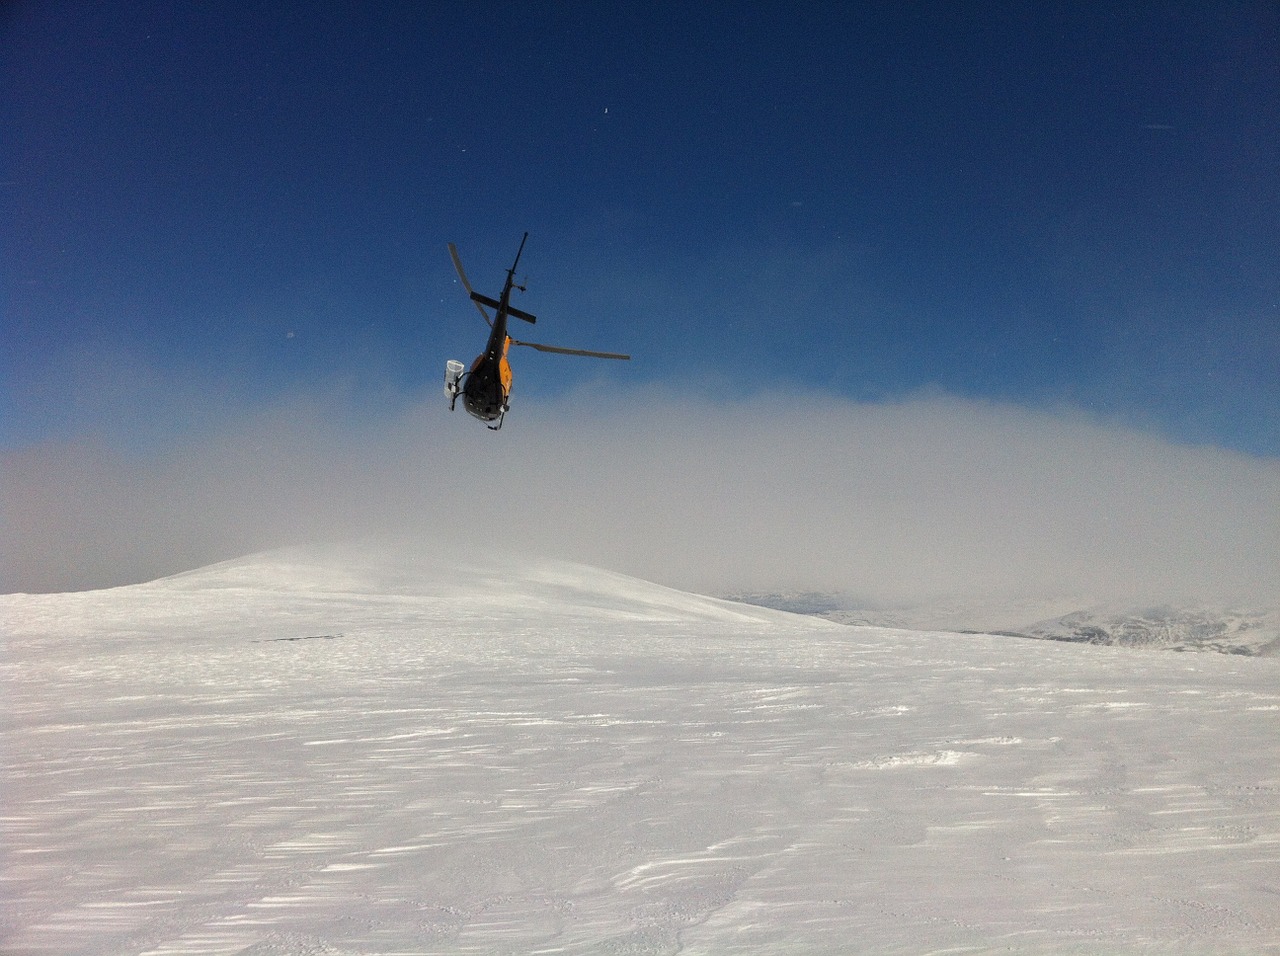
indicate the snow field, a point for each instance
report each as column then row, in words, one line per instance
column 347, row 751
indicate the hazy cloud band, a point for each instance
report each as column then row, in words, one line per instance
column 905, row 501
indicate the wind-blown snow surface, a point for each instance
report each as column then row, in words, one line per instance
column 346, row 751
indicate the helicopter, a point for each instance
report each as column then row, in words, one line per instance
column 486, row 387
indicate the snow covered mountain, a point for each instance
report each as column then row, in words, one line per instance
column 370, row 750
column 1227, row 630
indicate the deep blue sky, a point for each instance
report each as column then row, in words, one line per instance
column 1037, row 203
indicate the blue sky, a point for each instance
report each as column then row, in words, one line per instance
column 1039, row 203
column 878, row 266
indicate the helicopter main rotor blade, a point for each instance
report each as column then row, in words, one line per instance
column 457, row 264
column 560, row 351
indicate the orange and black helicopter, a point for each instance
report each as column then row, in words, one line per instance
column 486, row 388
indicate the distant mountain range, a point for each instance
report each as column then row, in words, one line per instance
column 1227, row 631
column 1251, row 632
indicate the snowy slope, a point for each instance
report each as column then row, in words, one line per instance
column 354, row 750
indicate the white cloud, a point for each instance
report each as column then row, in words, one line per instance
column 905, row 501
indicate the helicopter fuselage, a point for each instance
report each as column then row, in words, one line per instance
column 488, row 384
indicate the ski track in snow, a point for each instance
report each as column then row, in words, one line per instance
column 545, row 758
